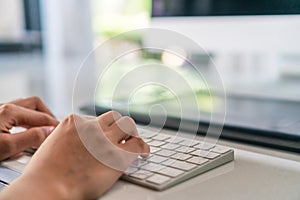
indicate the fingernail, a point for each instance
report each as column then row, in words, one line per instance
column 50, row 129
column 145, row 155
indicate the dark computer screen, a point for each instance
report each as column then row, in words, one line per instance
column 31, row 36
column 161, row 8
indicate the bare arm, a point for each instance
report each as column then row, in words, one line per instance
column 67, row 169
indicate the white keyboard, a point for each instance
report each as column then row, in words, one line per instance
column 174, row 160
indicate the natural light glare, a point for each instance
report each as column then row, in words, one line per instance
column 174, row 57
column 112, row 17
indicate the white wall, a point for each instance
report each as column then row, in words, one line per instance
column 263, row 41
column 68, row 37
column 238, row 34
column 252, row 53
column 11, row 19
column 21, row 75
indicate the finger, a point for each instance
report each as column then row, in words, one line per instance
column 20, row 116
column 34, row 137
column 16, row 143
column 108, row 118
column 126, row 124
column 122, row 129
column 34, row 103
column 136, row 145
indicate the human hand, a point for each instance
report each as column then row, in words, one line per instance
column 30, row 113
column 78, row 160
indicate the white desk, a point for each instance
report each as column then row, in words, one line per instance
column 251, row 175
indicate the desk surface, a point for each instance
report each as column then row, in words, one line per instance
column 251, row 175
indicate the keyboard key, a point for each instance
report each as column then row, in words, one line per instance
column 197, row 160
column 168, row 171
column 156, row 143
column 220, row 149
column 170, row 146
column 181, row 156
column 131, row 170
column 189, row 143
column 179, row 164
column 24, row 159
column 205, row 154
column 139, row 162
column 165, row 152
column 152, row 167
column 154, row 149
column 185, row 149
column 141, row 174
column 147, row 140
column 158, row 179
column 147, row 134
column 161, row 137
column 174, row 140
column 157, row 159
column 204, row 146
column 209, row 155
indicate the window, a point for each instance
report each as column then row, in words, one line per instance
column 257, row 56
column 20, row 25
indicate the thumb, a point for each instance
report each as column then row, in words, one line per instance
column 37, row 135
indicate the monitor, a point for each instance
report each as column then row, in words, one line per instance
column 258, row 29
column 20, row 25
column 254, row 43
column 233, row 25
